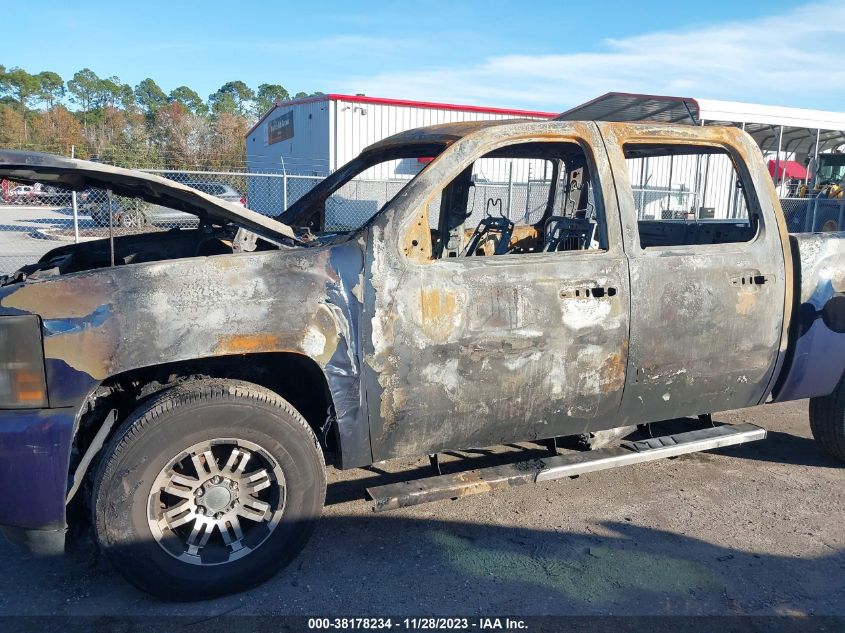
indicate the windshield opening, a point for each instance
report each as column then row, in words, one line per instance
column 350, row 197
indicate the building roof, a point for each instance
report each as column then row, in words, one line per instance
column 440, row 134
column 763, row 122
column 428, row 105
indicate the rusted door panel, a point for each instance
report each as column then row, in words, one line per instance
column 701, row 340
column 479, row 351
column 699, row 343
column 491, row 352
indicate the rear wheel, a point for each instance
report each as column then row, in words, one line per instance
column 129, row 219
column 827, row 421
column 209, row 488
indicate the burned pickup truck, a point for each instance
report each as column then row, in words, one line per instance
column 187, row 388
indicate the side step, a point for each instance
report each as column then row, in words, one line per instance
column 470, row 482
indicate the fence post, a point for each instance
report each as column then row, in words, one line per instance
column 284, row 192
column 74, row 204
column 669, row 190
column 510, row 187
column 528, row 195
column 643, row 167
column 810, row 220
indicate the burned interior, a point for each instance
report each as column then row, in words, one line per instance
column 561, row 213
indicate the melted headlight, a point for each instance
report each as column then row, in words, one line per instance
column 22, row 381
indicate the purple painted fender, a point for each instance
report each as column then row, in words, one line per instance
column 34, row 459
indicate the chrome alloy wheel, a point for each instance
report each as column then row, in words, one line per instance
column 217, row 501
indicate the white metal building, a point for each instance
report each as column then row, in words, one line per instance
column 316, row 135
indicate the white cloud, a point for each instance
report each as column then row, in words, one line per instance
column 795, row 58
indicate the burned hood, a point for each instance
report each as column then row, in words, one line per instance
column 32, row 167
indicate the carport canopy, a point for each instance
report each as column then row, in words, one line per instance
column 772, row 127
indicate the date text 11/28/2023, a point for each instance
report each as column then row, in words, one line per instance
column 418, row 624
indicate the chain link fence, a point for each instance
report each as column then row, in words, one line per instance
column 807, row 215
column 36, row 219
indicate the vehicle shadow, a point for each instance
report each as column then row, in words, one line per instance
column 28, row 224
column 57, row 222
column 783, row 448
column 395, row 564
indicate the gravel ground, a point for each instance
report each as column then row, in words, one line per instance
column 754, row 529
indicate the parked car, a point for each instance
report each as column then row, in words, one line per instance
column 191, row 386
column 49, row 195
column 39, row 194
column 129, row 213
column 22, row 194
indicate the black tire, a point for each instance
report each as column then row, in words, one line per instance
column 827, row 421
column 154, row 435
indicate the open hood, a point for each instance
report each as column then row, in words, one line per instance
column 31, row 167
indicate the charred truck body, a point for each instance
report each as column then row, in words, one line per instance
column 188, row 387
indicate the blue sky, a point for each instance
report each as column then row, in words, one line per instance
column 537, row 55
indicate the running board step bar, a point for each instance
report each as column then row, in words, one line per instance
column 470, row 482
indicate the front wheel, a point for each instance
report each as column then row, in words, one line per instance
column 208, row 489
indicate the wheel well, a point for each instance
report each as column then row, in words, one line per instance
column 295, row 377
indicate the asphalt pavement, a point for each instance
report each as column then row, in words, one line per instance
column 752, row 529
column 22, row 233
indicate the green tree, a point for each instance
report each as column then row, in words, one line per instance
column 20, row 85
column 51, row 88
column 84, row 88
column 267, row 96
column 189, row 99
column 111, row 93
column 233, row 97
column 150, row 96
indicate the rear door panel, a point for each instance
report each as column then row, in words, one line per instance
column 702, row 340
